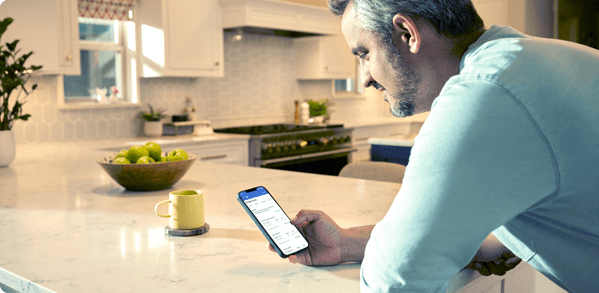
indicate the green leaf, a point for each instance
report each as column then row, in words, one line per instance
column 33, row 87
column 4, row 25
column 11, row 46
column 24, row 117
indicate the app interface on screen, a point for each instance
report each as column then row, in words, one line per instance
column 274, row 220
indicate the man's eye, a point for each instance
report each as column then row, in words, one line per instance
column 361, row 55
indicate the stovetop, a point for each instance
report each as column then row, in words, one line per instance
column 274, row 128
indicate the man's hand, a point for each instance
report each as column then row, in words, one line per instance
column 324, row 239
column 492, row 258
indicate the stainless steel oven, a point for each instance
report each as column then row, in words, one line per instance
column 318, row 149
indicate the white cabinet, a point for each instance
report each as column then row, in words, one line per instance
column 231, row 152
column 323, row 57
column 49, row 29
column 533, row 17
column 361, row 134
column 180, row 38
column 360, row 138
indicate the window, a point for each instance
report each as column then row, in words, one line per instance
column 107, row 50
column 349, row 88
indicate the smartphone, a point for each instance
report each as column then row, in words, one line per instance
column 274, row 224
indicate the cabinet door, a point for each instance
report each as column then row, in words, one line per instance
column 181, row 38
column 324, row 57
column 195, row 36
column 49, row 29
column 360, row 138
column 222, row 153
column 337, row 60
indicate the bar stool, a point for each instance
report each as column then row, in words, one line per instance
column 380, row 171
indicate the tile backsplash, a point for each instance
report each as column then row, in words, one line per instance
column 259, row 87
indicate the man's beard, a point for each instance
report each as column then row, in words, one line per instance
column 404, row 99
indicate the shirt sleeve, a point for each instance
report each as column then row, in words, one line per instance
column 478, row 161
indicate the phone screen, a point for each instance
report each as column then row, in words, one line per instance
column 273, row 221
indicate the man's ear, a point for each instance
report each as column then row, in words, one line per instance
column 405, row 33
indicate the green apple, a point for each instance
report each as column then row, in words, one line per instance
column 122, row 153
column 145, row 160
column 163, row 159
column 121, row 160
column 154, row 150
column 135, row 152
column 177, row 155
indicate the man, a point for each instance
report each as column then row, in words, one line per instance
column 509, row 150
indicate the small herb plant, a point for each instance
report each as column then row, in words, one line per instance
column 13, row 75
column 319, row 108
column 153, row 116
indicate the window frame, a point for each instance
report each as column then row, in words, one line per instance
column 357, row 93
column 130, row 81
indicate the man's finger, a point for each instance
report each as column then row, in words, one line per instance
column 496, row 268
column 306, row 216
column 482, row 269
column 271, row 248
column 512, row 262
column 301, row 258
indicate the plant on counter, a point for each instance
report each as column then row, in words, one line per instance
column 13, row 75
column 320, row 108
column 153, row 116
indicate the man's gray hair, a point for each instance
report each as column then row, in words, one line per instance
column 451, row 18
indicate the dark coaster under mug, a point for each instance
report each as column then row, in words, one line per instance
column 186, row 232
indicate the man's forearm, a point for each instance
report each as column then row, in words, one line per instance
column 354, row 243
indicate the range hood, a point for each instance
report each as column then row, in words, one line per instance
column 277, row 17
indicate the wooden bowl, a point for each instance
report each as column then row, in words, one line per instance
column 146, row 177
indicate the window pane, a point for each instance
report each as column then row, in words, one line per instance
column 99, row 69
column 98, row 30
column 344, row 85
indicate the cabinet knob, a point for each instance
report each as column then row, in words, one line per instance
column 326, row 68
column 69, row 57
column 216, row 63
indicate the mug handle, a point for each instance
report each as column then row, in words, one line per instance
column 156, row 208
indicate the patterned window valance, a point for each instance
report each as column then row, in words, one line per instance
column 106, row 9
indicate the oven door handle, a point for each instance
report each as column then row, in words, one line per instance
column 320, row 154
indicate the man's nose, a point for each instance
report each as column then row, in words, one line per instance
column 367, row 79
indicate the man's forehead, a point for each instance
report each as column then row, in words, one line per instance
column 348, row 13
column 349, row 27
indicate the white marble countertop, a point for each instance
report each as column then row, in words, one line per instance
column 66, row 226
column 404, row 142
column 418, row 118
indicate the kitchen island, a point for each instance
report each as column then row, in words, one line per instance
column 66, row 226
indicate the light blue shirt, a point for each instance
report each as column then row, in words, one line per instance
column 511, row 146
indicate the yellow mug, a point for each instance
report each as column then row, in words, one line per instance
column 186, row 209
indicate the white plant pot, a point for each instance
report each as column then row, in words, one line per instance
column 7, row 147
column 318, row 119
column 153, row 128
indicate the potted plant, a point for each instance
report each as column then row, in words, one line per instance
column 13, row 76
column 152, row 124
column 319, row 110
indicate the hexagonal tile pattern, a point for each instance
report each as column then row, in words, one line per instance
column 43, row 132
column 56, row 131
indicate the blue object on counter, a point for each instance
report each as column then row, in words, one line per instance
column 393, row 154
